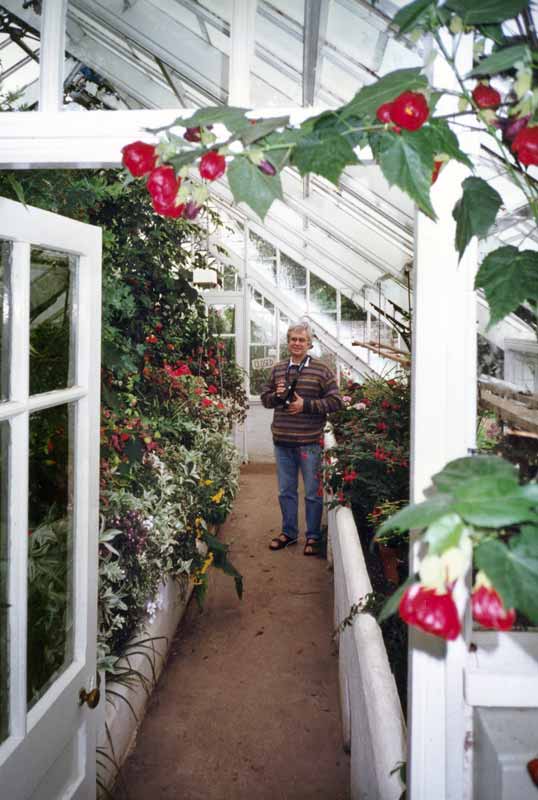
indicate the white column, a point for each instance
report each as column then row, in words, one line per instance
column 51, row 59
column 241, row 52
column 443, row 420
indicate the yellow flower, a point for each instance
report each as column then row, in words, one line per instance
column 207, row 483
column 207, row 563
column 216, row 498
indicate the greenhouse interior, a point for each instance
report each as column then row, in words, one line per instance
column 208, row 208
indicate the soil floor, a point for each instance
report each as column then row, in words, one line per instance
column 247, row 707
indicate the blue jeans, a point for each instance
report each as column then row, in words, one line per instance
column 289, row 460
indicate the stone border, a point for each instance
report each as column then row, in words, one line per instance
column 372, row 720
column 117, row 715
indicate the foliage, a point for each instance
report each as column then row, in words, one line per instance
column 170, row 394
column 370, row 464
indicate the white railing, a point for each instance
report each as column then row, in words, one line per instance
column 372, row 719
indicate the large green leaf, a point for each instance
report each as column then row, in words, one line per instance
column 251, row 186
column 279, row 145
column 444, row 140
column 457, row 473
column 475, row 211
column 324, row 152
column 497, row 512
column 411, row 15
column 501, row 60
column 369, row 98
column 407, row 161
column 418, row 515
column 256, row 129
column 513, row 570
column 233, row 117
column 445, row 532
column 477, row 12
column 508, row 277
column 351, row 128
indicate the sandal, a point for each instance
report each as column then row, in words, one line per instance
column 282, row 541
column 312, row 548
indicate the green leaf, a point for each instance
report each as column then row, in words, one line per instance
column 494, row 32
column 324, row 153
column 369, row 98
column 255, row 130
column 418, row 515
column 411, row 15
column 351, row 128
column 186, row 157
column 497, row 512
column 407, row 161
column 475, row 211
column 391, row 605
column 251, row 186
column 278, row 146
column 444, row 140
column 477, row 12
column 501, row 60
column 513, row 570
column 457, row 473
column 444, row 533
column 508, row 277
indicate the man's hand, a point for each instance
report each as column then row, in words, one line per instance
column 281, row 388
column 296, row 405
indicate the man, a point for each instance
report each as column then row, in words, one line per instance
column 302, row 390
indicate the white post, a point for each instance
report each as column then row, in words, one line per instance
column 241, row 52
column 443, row 423
column 51, row 59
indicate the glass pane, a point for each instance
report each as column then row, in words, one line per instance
column 322, row 296
column 221, row 318
column 5, row 264
column 231, row 282
column 4, row 586
column 262, row 320
column 292, row 275
column 263, row 256
column 262, row 358
column 51, row 309
column 50, row 530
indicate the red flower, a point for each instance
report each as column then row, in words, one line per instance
column 486, row 96
column 220, row 405
column 429, row 611
column 198, row 391
column 212, row 389
column 380, row 454
column 206, row 402
column 385, row 404
column 212, row 166
column 525, row 145
column 168, row 209
column 436, row 170
column 163, row 186
column 383, row 113
column 212, row 362
column 181, row 369
column 410, row 110
column 158, row 327
column 124, row 437
column 349, row 475
column 151, row 339
column 139, row 158
column 511, row 127
column 193, row 134
column 488, row 609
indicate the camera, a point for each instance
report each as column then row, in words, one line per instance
column 287, row 398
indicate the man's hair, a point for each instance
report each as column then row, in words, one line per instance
column 301, row 326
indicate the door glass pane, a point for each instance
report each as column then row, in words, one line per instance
column 221, row 318
column 50, row 529
column 4, row 638
column 51, row 310
column 5, row 296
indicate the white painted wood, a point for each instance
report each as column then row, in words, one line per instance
column 51, row 56
column 504, row 742
column 443, row 416
column 50, row 752
column 241, row 52
column 373, row 726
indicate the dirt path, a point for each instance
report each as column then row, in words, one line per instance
column 247, row 708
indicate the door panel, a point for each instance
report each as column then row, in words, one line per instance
column 49, row 440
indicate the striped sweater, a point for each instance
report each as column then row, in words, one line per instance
column 317, row 386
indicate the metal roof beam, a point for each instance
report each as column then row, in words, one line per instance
column 315, row 29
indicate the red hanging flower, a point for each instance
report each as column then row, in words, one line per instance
column 206, row 402
column 436, row 170
column 486, row 96
column 525, row 145
column 163, row 185
column 488, row 608
column 168, row 209
column 139, row 158
column 349, row 475
column 410, row 110
column 212, row 166
column 212, row 389
column 431, row 612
